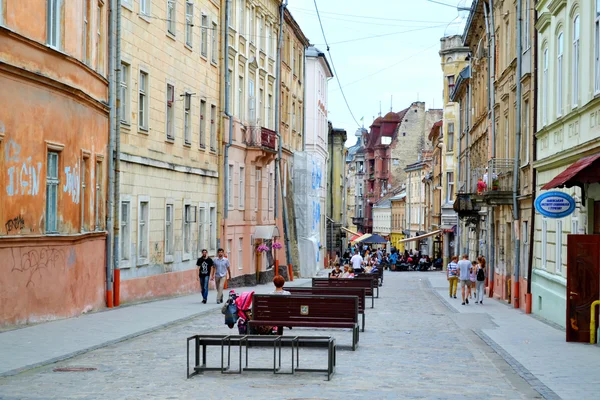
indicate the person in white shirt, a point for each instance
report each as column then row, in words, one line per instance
column 357, row 262
column 464, row 270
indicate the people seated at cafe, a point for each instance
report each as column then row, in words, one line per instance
column 337, row 272
column 348, row 272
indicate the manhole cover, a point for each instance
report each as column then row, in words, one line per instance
column 74, row 369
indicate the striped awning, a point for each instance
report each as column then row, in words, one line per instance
column 412, row 239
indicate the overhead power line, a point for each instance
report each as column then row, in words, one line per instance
column 337, row 77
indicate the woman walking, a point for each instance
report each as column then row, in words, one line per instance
column 473, row 279
column 480, row 280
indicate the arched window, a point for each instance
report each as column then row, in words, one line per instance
column 575, row 61
column 545, row 88
column 559, row 73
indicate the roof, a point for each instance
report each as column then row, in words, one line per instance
column 383, row 203
column 295, row 27
column 312, row 51
column 392, row 117
column 397, row 197
column 434, row 128
column 464, row 75
column 586, row 170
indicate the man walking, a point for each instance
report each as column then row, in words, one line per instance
column 452, row 275
column 220, row 273
column 464, row 270
column 204, row 264
column 357, row 262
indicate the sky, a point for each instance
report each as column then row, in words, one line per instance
column 384, row 51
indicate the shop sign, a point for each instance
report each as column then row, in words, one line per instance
column 555, row 204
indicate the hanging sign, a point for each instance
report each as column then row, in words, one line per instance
column 555, row 204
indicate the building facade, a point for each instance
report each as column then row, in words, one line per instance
column 416, row 203
column 382, row 217
column 336, row 170
column 398, row 219
column 54, row 134
column 568, row 129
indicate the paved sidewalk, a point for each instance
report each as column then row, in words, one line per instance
column 536, row 350
column 45, row 343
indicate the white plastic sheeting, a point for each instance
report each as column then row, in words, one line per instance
column 308, row 175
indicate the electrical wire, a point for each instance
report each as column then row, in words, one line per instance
column 388, row 34
column 333, row 66
column 368, row 17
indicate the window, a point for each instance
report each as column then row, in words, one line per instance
column 204, row 33
column 260, row 109
column 525, row 248
column 228, row 249
column 450, row 83
column 125, row 99
column 526, row 24
column 269, row 39
column 213, row 132
column 558, row 245
column 251, row 102
column 574, row 226
column 261, row 33
column 270, row 112
column 450, row 187
column 240, row 260
column 257, row 184
column 230, row 186
column 98, row 207
column 241, row 17
column 202, row 123
column 189, row 217
column 241, row 188
column 450, row 144
column 525, row 135
column 575, row 61
column 213, row 49
column 559, row 74
column 544, row 241
column 597, row 48
column 145, row 7
column 99, row 41
column 82, row 204
column 270, row 192
column 506, row 136
column 52, row 184
column 170, row 112
column 213, row 229
column 293, row 116
column 53, row 22
column 201, row 228
column 241, row 97
column 189, row 23
column 87, row 37
column 507, row 44
column 143, row 101
column 251, row 23
column 169, row 233
column 171, row 17
column 187, row 116
column 545, row 88
column 125, row 250
column 143, row 227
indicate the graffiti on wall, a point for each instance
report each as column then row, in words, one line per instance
column 15, row 224
column 316, row 215
column 33, row 262
column 23, row 175
column 72, row 182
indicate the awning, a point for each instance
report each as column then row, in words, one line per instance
column 351, row 232
column 586, row 170
column 363, row 237
column 353, row 238
column 374, row 239
column 266, row 232
column 412, row 239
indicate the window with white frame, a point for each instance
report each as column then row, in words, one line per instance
column 189, row 23
column 54, row 22
column 169, row 232
column 100, row 37
column 544, row 242
column 545, row 87
column 189, row 217
column 202, row 225
column 145, row 7
column 525, row 136
column 270, row 190
column 204, row 32
column 270, row 112
column 252, row 24
column 98, row 202
column 261, row 100
column 251, row 101
column 125, row 233
column 574, row 226
column 559, row 74
column 558, row 246
column 241, row 97
column 52, row 186
column 240, row 260
column 213, row 131
column 171, row 17
column 242, row 188
column 241, row 14
column 524, row 248
column 293, row 116
column 187, row 118
column 87, row 37
column 261, row 32
column 125, row 98
column 526, row 24
column 257, row 183
column 170, row 112
column 202, row 135
column 228, row 249
column 143, row 230
column 143, row 100
column 213, row 49
column 82, row 203
column 575, row 55
column 230, row 186
column 450, row 141
column 1, row 12
column 597, row 48
column 450, row 187
column 212, row 230
column 269, row 39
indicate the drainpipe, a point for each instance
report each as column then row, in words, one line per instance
column 227, row 111
column 117, row 202
column 304, row 102
column 331, row 198
column 517, row 161
column 492, row 90
column 111, row 144
column 278, row 105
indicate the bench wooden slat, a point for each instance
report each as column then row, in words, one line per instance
column 365, row 283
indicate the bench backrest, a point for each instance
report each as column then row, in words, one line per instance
column 305, row 308
column 332, row 291
column 366, row 283
column 368, row 276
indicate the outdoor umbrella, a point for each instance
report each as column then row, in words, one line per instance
column 374, row 239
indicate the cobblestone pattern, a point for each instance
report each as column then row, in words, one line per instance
column 412, row 349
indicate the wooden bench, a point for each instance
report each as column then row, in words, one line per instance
column 374, row 277
column 334, row 291
column 306, row 312
column 201, row 342
column 365, row 283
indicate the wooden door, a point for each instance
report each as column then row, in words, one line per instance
column 597, row 217
column 583, row 284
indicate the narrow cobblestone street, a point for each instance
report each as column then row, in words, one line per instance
column 414, row 346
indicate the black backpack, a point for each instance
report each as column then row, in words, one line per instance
column 480, row 274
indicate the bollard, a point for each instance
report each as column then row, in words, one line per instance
column 593, row 321
column 290, row 272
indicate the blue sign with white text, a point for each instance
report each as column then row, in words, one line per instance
column 555, row 204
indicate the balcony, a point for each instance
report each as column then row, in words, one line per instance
column 259, row 136
column 358, row 221
column 383, row 175
column 372, row 176
column 499, row 182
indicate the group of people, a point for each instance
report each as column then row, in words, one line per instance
column 355, row 262
column 216, row 270
column 471, row 275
